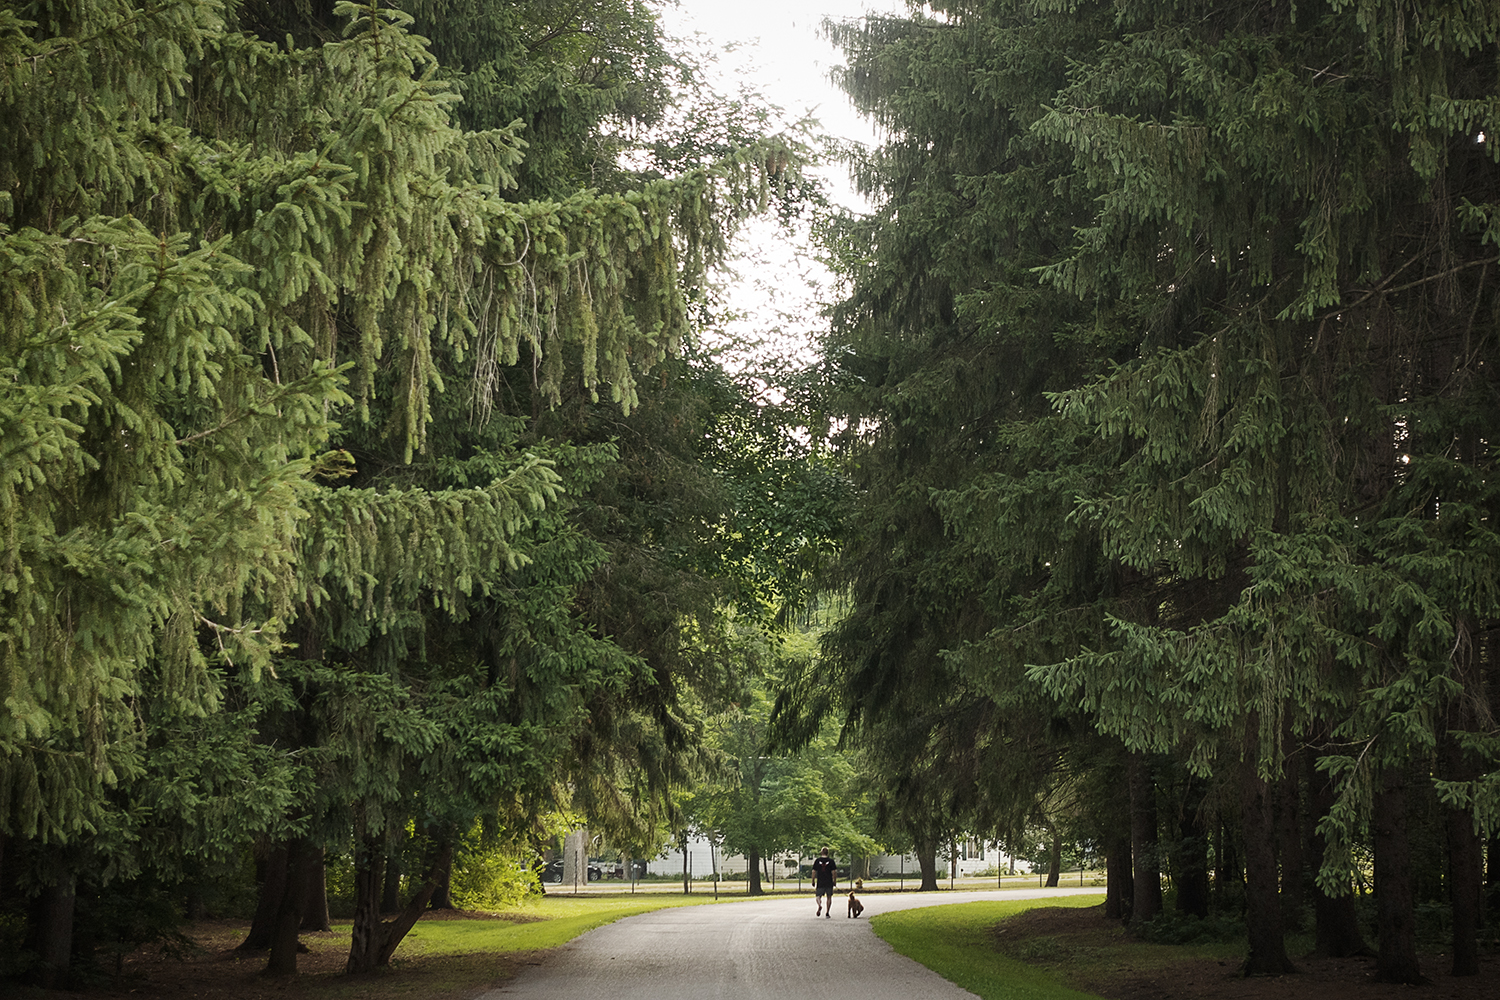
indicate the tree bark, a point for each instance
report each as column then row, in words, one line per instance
column 1190, row 854
column 925, row 851
column 1465, row 860
column 441, row 900
column 752, row 858
column 1336, row 932
column 1465, row 863
column 1146, row 876
column 1054, row 860
column 1289, row 841
column 273, row 867
column 1118, row 888
column 1492, row 873
column 52, row 931
column 1396, row 958
column 315, row 906
column 374, row 941
column 284, row 944
column 1490, row 657
column 1263, row 920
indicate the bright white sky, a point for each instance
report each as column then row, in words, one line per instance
column 777, row 48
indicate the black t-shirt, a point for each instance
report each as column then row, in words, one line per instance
column 823, row 872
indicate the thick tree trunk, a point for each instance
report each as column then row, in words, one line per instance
column 1490, row 657
column 1465, row 863
column 1146, row 876
column 1119, row 889
column 925, row 851
column 52, row 931
column 752, row 859
column 1396, row 959
column 284, row 943
column 369, row 864
column 1263, row 921
column 374, row 941
column 1289, row 841
column 441, row 900
column 315, row 905
column 1465, row 858
column 1190, row 856
column 1492, row 873
column 1054, row 859
column 1336, row 932
column 273, row 866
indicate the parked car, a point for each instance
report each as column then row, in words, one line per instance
column 554, row 871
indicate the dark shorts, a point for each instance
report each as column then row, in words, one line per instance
column 823, row 890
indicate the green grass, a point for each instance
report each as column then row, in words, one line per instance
column 955, row 942
column 545, row 923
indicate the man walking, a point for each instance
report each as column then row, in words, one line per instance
column 825, row 873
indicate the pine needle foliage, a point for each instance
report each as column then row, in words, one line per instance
column 239, row 265
column 1168, row 370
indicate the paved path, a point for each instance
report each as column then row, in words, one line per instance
column 770, row 949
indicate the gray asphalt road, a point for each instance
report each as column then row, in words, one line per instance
column 771, row 949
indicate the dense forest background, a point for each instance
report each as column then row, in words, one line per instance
column 372, row 496
column 1166, row 378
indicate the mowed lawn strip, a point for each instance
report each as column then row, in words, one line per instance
column 957, row 943
column 545, row 923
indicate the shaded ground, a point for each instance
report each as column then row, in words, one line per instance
column 1100, row 958
column 215, row 970
column 1095, row 954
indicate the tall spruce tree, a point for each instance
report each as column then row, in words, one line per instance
column 1309, row 253
column 260, row 294
column 1168, row 361
column 937, row 366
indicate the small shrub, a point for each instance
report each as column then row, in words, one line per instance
column 491, row 880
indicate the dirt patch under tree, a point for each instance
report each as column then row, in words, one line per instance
column 1161, row 973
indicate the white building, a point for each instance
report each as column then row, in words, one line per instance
column 704, row 858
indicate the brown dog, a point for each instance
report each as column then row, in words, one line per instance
column 855, row 906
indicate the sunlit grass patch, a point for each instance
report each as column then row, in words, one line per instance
column 533, row 926
column 956, row 942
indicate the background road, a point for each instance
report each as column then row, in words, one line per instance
column 768, row 949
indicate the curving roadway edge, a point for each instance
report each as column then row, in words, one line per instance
column 764, row 949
